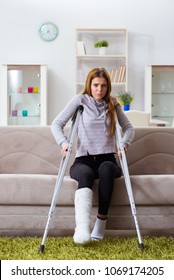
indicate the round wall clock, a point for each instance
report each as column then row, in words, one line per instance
column 48, row 31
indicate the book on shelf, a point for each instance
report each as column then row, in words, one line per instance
column 81, row 48
column 120, row 75
column 123, row 73
column 112, row 73
column 117, row 74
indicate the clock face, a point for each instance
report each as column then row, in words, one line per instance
column 48, row 31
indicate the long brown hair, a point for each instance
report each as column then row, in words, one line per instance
column 102, row 73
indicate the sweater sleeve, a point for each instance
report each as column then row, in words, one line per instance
column 58, row 124
column 127, row 128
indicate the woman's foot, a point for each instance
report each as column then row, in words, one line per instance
column 99, row 229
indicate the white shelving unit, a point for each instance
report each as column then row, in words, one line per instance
column 24, row 94
column 159, row 92
column 115, row 60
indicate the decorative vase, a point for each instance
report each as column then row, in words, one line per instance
column 126, row 107
column 102, row 50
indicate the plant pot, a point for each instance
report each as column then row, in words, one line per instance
column 126, row 107
column 102, row 50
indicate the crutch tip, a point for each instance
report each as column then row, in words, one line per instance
column 41, row 249
column 141, row 246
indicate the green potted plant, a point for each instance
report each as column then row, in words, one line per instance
column 125, row 98
column 101, row 45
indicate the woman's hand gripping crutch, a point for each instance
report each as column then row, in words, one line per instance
column 125, row 170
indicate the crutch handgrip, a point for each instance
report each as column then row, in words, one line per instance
column 80, row 110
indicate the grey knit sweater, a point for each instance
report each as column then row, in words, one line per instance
column 92, row 132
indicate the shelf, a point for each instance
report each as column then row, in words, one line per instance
column 113, row 84
column 162, row 116
column 23, row 117
column 159, row 91
column 21, row 93
column 24, row 88
column 163, row 93
column 99, row 30
column 114, row 60
column 101, row 56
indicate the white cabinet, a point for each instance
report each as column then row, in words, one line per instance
column 115, row 58
column 159, row 92
column 24, row 95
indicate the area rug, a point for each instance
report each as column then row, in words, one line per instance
column 117, row 248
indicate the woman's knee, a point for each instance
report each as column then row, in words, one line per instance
column 106, row 167
column 109, row 168
column 83, row 174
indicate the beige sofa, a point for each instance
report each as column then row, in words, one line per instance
column 29, row 161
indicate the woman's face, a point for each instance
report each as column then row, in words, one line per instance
column 98, row 88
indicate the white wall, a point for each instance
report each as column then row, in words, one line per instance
column 149, row 23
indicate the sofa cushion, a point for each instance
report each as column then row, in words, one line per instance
column 30, row 150
column 152, row 151
column 35, row 189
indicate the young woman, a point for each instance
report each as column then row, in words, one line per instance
column 96, row 148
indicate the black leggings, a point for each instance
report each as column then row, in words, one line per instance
column 86, row 169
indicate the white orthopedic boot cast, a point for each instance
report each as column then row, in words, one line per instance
column 98, row 230
column 83, row 205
